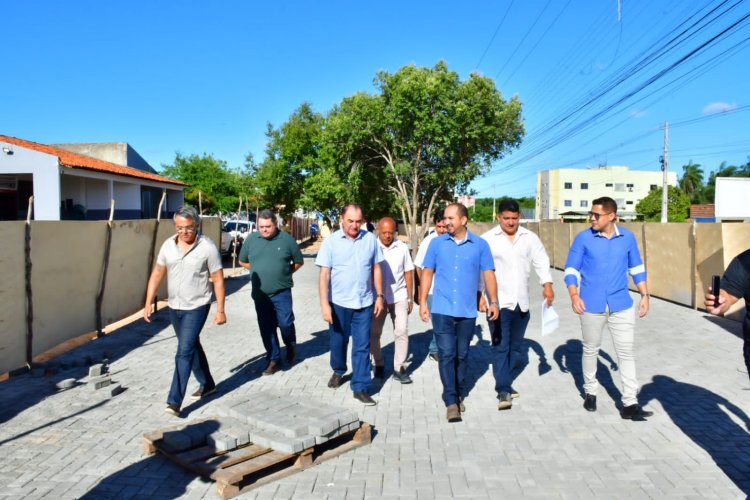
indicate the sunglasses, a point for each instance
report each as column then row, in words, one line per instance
column 596, row 216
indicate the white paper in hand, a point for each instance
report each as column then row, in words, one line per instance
column 550, row 319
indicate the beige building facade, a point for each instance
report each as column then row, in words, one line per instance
column 568, row 192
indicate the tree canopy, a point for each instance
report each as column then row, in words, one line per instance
column 678, row 205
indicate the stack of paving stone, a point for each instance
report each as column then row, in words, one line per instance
column 278, row 422
column 99, row 378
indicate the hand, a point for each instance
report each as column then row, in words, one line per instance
column 424, row 313
column 493, row 313
column 378, row 309
column 643, row 306
column 578, row 306
column 548, row 294
column 482, row 304
column 409, row 307
column 220, row 318
column 325, row 309
column 710, row 301
column 147, row 313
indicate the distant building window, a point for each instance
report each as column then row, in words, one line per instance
column 653, row 187
column 584, row 203
column 628, row 202
column 568, row 203
column 619, row 186
column 608, row 185
column 584, row 185
column 630, row 185
column 620, row 202
column 568, row 185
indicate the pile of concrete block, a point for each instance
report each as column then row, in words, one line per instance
column 282, row 423
column 100, row 378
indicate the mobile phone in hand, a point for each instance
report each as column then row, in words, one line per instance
column 715, row 288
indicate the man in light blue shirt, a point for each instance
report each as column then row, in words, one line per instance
column 351, row 291
column 596, row 273
column 457, row 260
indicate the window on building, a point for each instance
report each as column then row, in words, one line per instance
column 620, row 186
column 584, row 185
column 653, row 187
column 628, row 202
column 608, row 185
column 568, row 185
column 584, row 203
column 630, row 185
column 568, row 203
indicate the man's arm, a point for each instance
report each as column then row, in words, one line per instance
column 540, row 261
column 377, row 281
column 157, row 274
column 573, row 275
column 217, row 277
column 424, row 288
column 490, row 285
column 409, row 278
column 323, row 283
column 296, row 266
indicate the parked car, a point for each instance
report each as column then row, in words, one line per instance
column 233, row 228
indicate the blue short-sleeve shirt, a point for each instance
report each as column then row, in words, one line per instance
column 350, row 262
column 457, row 269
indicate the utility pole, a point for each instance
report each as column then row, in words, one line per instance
column 664, row 168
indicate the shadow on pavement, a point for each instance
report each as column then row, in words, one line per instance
column 731, row 326
column 418, row 344
column 153, row 477
column 568, row 358
column 702, row 416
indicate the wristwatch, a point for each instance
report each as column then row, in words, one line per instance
column 495, row 304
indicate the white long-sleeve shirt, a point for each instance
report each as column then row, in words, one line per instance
column 513, row 261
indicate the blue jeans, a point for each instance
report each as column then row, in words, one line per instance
column 507, row 336
column 275, row 312
column 432, row 349
column 354, row 323
column 187, row 325
column 453, row 337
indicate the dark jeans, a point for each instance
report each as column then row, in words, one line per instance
column 453, row 337
column 507, row 336
column 275, row 312
column 432, row 349
column 190, row 356
column 354, row 323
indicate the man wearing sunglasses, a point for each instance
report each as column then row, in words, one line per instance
column 596, row 274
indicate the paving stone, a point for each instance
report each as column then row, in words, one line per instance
column 67, row 383
column 96, row 370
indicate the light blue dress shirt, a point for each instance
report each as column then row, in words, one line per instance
column 350, row 262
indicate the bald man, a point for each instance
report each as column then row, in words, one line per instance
column 398, row 285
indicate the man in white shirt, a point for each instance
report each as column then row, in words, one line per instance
column 440, row 229
column 398, row 285
column 514, row 249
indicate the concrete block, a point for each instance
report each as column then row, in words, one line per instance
column 100, row 381
column 68, row 383
column 177, row 440
column 321, row 439
column 96, row 370
column 279, row 442
column 115, row 389
column 322, row 427
column 221, row 441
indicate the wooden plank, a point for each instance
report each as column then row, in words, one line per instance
column 237, row 472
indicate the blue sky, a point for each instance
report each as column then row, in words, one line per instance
column 199, row 77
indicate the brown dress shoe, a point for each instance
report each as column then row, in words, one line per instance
column 272, row 368
column 335, row 381
column 453, row 413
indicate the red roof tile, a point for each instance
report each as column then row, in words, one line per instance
column 75, row 160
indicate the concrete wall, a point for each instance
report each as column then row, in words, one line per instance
column 12, row 296
column 44, row 169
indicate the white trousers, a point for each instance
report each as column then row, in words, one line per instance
column 622, row 327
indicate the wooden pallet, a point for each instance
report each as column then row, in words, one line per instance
column 249, row 466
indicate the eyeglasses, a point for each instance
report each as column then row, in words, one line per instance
column 185, row 229
column 596, row 216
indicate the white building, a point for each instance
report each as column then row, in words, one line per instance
column 568, row 192
column 70, row 185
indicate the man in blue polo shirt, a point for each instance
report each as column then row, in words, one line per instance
column 596, row 273
column 351, row 291
column 458, row 260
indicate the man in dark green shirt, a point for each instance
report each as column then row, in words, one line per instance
column 272, row 256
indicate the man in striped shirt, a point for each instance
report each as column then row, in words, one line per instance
column 596, row 274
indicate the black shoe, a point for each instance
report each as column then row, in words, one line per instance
column 635, row 412
column 173, row 410
column 504, row 401
column 514, row 394
column 272, row 368
column 402, row 376
column 590, row 403
column 335, row 381
column 291, row 352
column 434, row 356
column 365, row 398
column 379, row 372
column 203, row 392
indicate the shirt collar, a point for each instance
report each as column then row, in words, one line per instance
column 362, row 232
column 601, row 235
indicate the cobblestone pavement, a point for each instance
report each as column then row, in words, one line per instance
column 84, row 443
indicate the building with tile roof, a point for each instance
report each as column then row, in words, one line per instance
column 67, row 184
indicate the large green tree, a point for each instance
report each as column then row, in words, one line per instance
column 678, row 205
column 218, row 185
column 422, row 137
column 691, row 181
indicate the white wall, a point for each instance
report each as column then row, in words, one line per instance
column 44, row 171
column 731, row 197
column 127, row 196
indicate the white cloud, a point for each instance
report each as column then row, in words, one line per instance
column 718, row 107
column 638, row 113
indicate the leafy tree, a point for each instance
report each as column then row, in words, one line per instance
column 423, row 137
column 218, row 185
column 678, row 205
column 691, row 181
